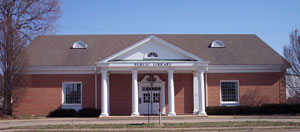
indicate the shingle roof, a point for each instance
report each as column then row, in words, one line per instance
column 241, row 49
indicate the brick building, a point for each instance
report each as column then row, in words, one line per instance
column 137, row 74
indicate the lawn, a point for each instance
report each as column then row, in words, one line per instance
column 165, row 126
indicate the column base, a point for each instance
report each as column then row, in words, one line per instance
column 135, row 114
column 202, row 114
column 172, row 114
column 104, row 115
column 195, row 112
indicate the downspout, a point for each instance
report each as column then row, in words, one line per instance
column 96, row 97
column 206, row 87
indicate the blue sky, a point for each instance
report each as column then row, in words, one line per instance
column 271, row 20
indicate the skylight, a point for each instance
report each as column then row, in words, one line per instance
column 79, row 45
column 217, row 44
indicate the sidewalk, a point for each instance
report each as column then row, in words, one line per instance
column 141, row 119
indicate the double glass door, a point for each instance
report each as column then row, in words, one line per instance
column 149, row 100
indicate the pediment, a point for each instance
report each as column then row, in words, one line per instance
column 152, row 48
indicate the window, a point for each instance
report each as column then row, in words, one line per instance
column 229, row 93
column 79, row 45
column 72, row 93
column 217, row 44
column 152, row 54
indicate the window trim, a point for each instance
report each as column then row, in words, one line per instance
column 230, row 103
column 63, row 96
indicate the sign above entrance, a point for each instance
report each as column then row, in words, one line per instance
column 152, row 64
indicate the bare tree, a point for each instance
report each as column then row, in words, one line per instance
column 20, row 22
column 292, row 55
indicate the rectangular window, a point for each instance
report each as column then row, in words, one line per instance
column 72, row 93
column 230, row 92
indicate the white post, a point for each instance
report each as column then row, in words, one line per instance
column 108, row 94
column 162, row 95
column 171, row 99
column 104, row 94
column 201, row 93
column 196, row 92
column 135, row 105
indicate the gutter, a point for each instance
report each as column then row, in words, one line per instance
column 96, row 97
column 206, row 98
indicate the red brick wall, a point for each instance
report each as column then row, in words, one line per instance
column 255, row 88
column 120, row 92
column 183, row 84
column 43, row 93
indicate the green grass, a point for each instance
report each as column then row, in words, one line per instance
column 29, row 117
column 165, row 125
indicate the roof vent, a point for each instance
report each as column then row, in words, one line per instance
column 217, row 44
column 79, row 45
column 151, row 55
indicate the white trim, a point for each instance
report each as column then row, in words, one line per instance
column 71, row 106
column 233, row 103
column 177, row 66
column 143, row 41
column 59, row 70
column 244, row 68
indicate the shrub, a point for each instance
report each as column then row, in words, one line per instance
column 63, row 113
column 222, row 110
column 295, row 108
column 275, row 108
column 89, row 112
column 248, row 110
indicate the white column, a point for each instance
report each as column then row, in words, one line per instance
column 195, row 92
column 162, row 95
column 171, row 99
column 104, row 94
column 201, row 93
column 108, row 94
column 135, row 105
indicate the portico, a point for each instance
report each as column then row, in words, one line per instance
column 135, row 90
column 153, row 55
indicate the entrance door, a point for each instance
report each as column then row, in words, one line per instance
column 150, row 100
column 151, row 95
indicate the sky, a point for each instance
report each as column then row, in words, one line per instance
column 271, row 20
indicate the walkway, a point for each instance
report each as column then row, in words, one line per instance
column 141, row 119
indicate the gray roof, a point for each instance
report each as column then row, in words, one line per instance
column 240, row 49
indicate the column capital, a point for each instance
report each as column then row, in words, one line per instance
column 201, row 70
column 170, row 70
column 195, row 73
column 104, row 70
column 134, row 71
